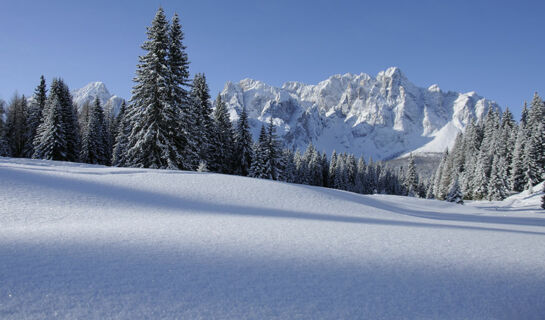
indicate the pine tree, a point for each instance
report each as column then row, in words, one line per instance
column 455, row 193
column 4, row 149
column 222, row 145
column 34, row 117
column 119, row 153
column 274, row 159
column 498, row 185
column 290, row 170
column 69, row 121
column 331, row 174
column 16, row 126
column 243, row 145
column 50, row 141
column 260, row 167
column 179, row 96
column 200, row 97
column 93, row 149
column 517, row 175
column 156, row 139
column 412, row 178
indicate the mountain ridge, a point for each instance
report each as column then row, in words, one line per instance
column 383, row 116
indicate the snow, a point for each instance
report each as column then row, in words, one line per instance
column 82, row 241
column 88, row 94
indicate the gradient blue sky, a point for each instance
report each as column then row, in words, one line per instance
column 496, row 48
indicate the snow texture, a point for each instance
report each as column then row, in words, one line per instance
column 91, row 242
column 384, row 116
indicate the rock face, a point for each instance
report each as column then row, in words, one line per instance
column 384, row 116
column 88, row 94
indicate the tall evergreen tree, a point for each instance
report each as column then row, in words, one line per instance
column 122, row 137
column 34, row 117
column 156, row 140
column 243, row 145
column 16, row 126
column 455, row 193
column 222, row 145
column 260, row 167
column 50, row 141
column 4, row 149
column 412, row 178
column 69, row 115
column 204, row 128
column 273, row 152
column 94, row 144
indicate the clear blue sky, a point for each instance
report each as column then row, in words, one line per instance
column 496, row 48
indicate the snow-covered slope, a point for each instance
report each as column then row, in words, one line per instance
column 91, row 242
column 383, row 116
column 111, row 103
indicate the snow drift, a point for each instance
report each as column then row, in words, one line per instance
column 82, row 241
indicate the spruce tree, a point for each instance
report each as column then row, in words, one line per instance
column 4, row 149
column 50, row 142
column 274, row 152
column 16, row 126
column 34, row 117
column 517, row 174
column 93, row 149
column 122, row 137
column 290, row 171
column 243, row 145
column 222, row 145
column 179, row 96
column 69, row 121
column 455, row 193
column 260, row 167
column 498, row 185
column 204, row 128
column 156, row 139
column 411, row 181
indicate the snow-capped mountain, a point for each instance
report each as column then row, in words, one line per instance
column 384, row 116
column 111, row 103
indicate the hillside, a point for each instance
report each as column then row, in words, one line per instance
column 82, row 241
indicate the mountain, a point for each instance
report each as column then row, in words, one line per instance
column 111, row 103
column 384, row 116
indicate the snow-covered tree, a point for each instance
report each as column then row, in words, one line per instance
column 94, row 144
column 498, row 186
column 204, row 128
column 222, row 145
column 123, row 132
column 4, row 149
column 455, row 193
column 157, row 139
column 34, row 116
column 411, row 181
column 274, row 155
column 50, row 142
column 16, row 126
column 260, row 167
column 243, row 145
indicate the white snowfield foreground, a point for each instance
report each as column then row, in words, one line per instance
column 91, row 242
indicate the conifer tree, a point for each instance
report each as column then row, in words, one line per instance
column 498, row 184
column 260, row 167
column 156, row 139
column 200, row 97
column 93, row 149
column 332, row 165
column 50, row 141
column 412, row 178
column 122, row 136
column 70, row 123
column 34, row 117
column 179, row 86
column 243, row 145
column 4, row 149
column 16, row 126
column 517, row 175
column 222, row 145
column 290, row 171
column 273, row 152
column 455, row 193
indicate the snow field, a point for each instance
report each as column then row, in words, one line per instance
column 82, row 241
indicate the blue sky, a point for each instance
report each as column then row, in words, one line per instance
column 495, row 48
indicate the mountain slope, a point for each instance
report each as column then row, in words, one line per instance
column 383, row 116
column 110, row 103
column 81, row 241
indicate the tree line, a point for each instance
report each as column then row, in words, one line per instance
column 495, row 157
